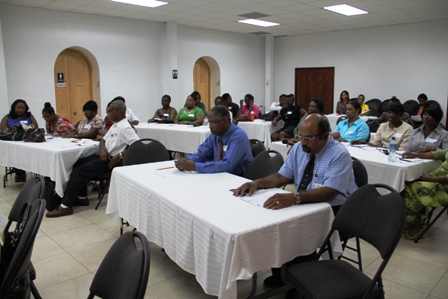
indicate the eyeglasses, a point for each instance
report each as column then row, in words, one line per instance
column 307, row 138
column 214, row 122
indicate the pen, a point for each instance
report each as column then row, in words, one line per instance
column 404, row 160
column 165, row 168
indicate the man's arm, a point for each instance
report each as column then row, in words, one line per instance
column 272, row 181
column 284, row 200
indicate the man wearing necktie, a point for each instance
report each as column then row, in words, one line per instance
column 321, row 169
column 227, row 149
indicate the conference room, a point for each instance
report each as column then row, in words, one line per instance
column 397, row 49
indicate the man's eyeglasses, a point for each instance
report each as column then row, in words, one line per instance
column 214, row 122
column 307, row 138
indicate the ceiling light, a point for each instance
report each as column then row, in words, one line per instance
column 346, row 10
column 258, row 23
column 146, row 3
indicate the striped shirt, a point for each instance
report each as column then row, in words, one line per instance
column 332, row 169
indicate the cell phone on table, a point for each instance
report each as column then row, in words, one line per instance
column 384, row 151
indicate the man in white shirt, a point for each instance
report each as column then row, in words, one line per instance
column 130, row 115
column 112, row 150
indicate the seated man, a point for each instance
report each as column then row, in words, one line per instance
column 227, row 149
column 321, row 169
column 112, row 149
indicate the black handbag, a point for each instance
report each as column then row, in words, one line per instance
column 34, row 135
column 14, row 133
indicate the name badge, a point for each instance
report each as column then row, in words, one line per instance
column 430, row 140
column 190, row 115
column 349, row 132
column 397, row 135
column 289, row 112
column 317, row 185
column 225, row 147
column 25, row 122
column 88, row 127
column 166, row 115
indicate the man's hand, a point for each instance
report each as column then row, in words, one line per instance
column 246, row 189
column 185, row 164
column 114, row 161
column 280, row 201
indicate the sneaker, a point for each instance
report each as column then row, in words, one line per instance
column 81, row 201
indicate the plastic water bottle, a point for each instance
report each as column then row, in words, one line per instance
column 392, row 150
column 252, row 116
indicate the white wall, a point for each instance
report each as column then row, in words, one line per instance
column 3, row 87
column 402, row 60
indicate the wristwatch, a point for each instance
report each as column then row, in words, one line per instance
column 297, row 197
column 120, row 155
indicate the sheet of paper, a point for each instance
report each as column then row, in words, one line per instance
column 259, row 197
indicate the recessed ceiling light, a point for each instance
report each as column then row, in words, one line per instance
column 258, row 23
column 346, row 10
column 146, row 3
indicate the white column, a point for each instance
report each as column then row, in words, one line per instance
column 3, row 87
column 269, row 72
column 173, row 86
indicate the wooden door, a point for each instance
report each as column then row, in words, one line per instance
column 201, row 77
column 311, row 83
column 74, row 86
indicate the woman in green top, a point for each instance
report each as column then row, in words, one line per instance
column 197, row 97
column 430, row 191
column 190, row 114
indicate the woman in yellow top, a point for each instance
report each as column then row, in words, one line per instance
column 364, row 107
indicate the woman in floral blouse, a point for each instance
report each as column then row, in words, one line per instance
column 90, row 125
column 55, row 124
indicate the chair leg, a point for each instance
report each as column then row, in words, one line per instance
column 34, row 291
column 431, row 223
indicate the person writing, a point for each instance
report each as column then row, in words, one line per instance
column 353, row 127
column 90, row 125
column 166, row 114
column 190, row 114
column 395, row 127
column 321, row 169
column 227, row 149
column 112, row 151
column 56, row 125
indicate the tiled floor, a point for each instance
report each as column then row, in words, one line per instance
column 69, row 250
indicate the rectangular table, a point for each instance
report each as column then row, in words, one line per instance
column 209, row 232
column 179, row 138
column 392, row 174
column 54, row 158
column 260, row 129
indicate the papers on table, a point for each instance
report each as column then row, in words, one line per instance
column 171, row 171
column 259, row 197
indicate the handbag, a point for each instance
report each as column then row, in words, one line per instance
column 14, row 133
column 34, row 135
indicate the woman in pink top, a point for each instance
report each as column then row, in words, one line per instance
column 248, row 108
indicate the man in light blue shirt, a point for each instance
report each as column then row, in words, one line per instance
column 227, row 149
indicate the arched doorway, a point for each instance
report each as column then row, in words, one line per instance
column 206, row 80
column 73, row 83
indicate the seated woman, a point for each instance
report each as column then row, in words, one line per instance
column 395, row 127
column 351, row 128
column 384, row 117
column 343, row 100
column 56, row 125
column 430, row 191
column 316, row 106
column 430, row 136
column 19, row 114
column 364, row 107
column 190, row 114
column 291, row 116
column 247, row 109
column 90, row 125
column 166, row 114
column 422, row 99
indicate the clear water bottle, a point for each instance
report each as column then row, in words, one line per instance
column 392, row 150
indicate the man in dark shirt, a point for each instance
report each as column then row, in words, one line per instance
column 234, row 108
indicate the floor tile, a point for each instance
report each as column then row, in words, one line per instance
column 56, row 225
column 45, row 247
column 71, row 289
column 91, row 256
column 441, row 289
column 82, row 236
column 177, row 287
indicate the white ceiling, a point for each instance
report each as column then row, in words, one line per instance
column 295, row 16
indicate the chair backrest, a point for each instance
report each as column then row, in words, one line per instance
column 34, row 188
column 341, row 118
column 124, row 271
column 145, row 151
column 257, row 147
column 384, row 106
column 432, row 103
column 376, row 218
column 18, row 266
column 264, row 164
column 360, row 173
column 374, row 103
column 411, row 107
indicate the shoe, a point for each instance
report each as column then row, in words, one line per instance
column 60, row 212
column 23, row 177
column 81, row 202
column 273, row 282
column 17, row 178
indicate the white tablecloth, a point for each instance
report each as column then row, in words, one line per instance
column 54, row 158
column 179, row 138
column 333, row 118
column 392, row 174
column 281, row 148
column 260, row 129
column 209, row 232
